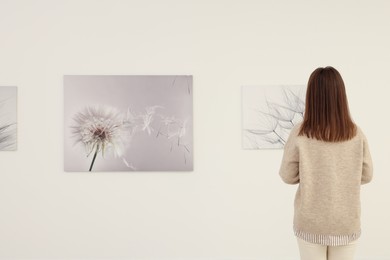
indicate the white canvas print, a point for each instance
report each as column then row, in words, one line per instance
column 8, row 120
column 269, row 113
column 128, row 123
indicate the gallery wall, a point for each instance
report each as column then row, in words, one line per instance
column 233, row 205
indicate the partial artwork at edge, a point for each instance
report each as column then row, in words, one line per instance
column 269, row 113
column 8, row 118
column 128, row 123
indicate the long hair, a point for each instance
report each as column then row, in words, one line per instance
column 327, row 116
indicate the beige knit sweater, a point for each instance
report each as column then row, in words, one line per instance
column 327, row 202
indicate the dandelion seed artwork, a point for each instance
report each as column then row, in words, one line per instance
column 128, row 123
column 269, row 113
column 8, row 123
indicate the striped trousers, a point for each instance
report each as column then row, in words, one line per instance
column 309, row 251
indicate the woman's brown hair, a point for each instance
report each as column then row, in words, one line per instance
column 327, row 114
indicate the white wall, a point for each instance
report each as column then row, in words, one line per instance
column 233, row 206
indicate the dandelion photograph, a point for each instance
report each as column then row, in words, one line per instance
column 8, row 118
column 269, row 113
column 128, row 123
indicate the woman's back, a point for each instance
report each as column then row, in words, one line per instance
column 327, row 202
column 328, row 156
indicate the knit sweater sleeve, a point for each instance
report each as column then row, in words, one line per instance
column 289, row 169
column 367, row 172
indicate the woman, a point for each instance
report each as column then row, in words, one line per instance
column 328, row 156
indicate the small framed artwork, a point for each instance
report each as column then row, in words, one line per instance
column 269, row 113
column 8, row 118
column 128, row 123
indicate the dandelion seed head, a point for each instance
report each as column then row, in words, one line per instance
column 102, row 128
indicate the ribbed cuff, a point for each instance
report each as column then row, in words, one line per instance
column 327, row 240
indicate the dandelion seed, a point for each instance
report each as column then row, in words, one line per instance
column 8, row 124
column 168, row 120
column 7, row 137
column 129, row 165
column 148, row 119
column 102, row 129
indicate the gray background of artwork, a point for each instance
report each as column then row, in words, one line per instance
column 146, row 153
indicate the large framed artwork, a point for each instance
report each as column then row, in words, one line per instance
column 8, row 118
column 128, row 123
column 269, row 113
